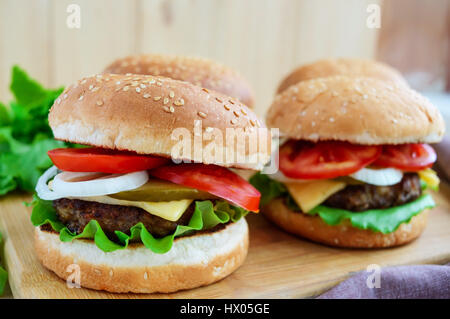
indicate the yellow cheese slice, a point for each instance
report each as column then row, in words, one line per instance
column 168, row 210
column 308, row 195
column 429, row 177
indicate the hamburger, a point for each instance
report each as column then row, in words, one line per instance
column 199, row 71
column 352, row 67
column 131, row 213
column 354, row 162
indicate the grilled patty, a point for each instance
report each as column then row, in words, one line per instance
column 76, row 214
column 362, row 197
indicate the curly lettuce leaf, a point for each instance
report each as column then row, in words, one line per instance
column 268, row 188
column 378, row 220
column 25, row 136
column 3, row 273
column 205, row 216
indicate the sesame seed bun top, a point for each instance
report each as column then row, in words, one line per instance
column 357, row 110
column 343, row 66
column 199, row 71
column 142, row 113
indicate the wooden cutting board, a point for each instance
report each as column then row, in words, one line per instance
column 278, row 265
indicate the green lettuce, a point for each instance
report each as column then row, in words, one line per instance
column 25, row 136
column 205, row 216
column 3, row 273
column 379, row 220
column 268, row 188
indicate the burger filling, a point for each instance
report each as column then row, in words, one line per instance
column 375, row 187
column 119, row 197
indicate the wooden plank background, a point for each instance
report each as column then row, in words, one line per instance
column 263, row 39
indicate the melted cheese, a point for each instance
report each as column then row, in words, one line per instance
column 168, row 210
column 310, row 194
column 429, row 177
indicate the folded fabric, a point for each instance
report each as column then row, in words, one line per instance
column 401, row 282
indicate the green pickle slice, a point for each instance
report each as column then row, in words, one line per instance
column 156, row 190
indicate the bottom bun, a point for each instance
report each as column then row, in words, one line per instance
column 193, row 261
column 344, row 234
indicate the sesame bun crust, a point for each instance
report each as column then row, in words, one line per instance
column 351, row 67
column 140, row 113
column 192, row 262
column 344, row 234
column 199, row 71
column 357, row 110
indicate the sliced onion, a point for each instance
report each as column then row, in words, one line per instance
column 378, row 177
column 42, row 189
column 64, row 185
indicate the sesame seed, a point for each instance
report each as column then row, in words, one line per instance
column 65, row 96
column 226, row 107
column 138, row 90
column 331, row 119
column 209, row 129
column 80, row 98
column 128, row 74
column 99, row 102
column 201, row 114
column 84, row 81
column 171, row 109
column 159, row 83
column 233, row 121
column 58, row 100
column 231, row 101
column 365, row 96
column 205, row 90
column 145, row 275
column 243, row 112
column 166, row 109
column 118, row 82
column 157, row 98
column 313, row 123
column 143, row 86
column 111, row 273
column 146, row 96
column 179, row 102
column 152, row 81
column 171, row 94
column 166, row 100
column 91, row 87
column 126, row 88
column 134, row 83
column 218, row 100
column 252, row 122
column 95, row 89
column 334, row 93
column 236, row 113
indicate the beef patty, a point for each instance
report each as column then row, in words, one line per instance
column 76, row 214
column 362, row 197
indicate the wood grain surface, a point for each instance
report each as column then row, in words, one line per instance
column 278, row 265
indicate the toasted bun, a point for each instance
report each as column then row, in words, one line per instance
column 152, row 115
column 199, row 71
column 344, row 66
column 344, row 234
column 357, row 110
column 192, row 262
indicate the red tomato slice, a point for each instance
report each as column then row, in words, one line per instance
column 102, row 160
column 329, row 159
column 213, row 179
column 407, row 157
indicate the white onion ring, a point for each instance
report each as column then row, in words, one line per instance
column 105, row 185
column 378, row 177
column 42, row 189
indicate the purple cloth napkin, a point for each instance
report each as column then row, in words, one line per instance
column 401, row 282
